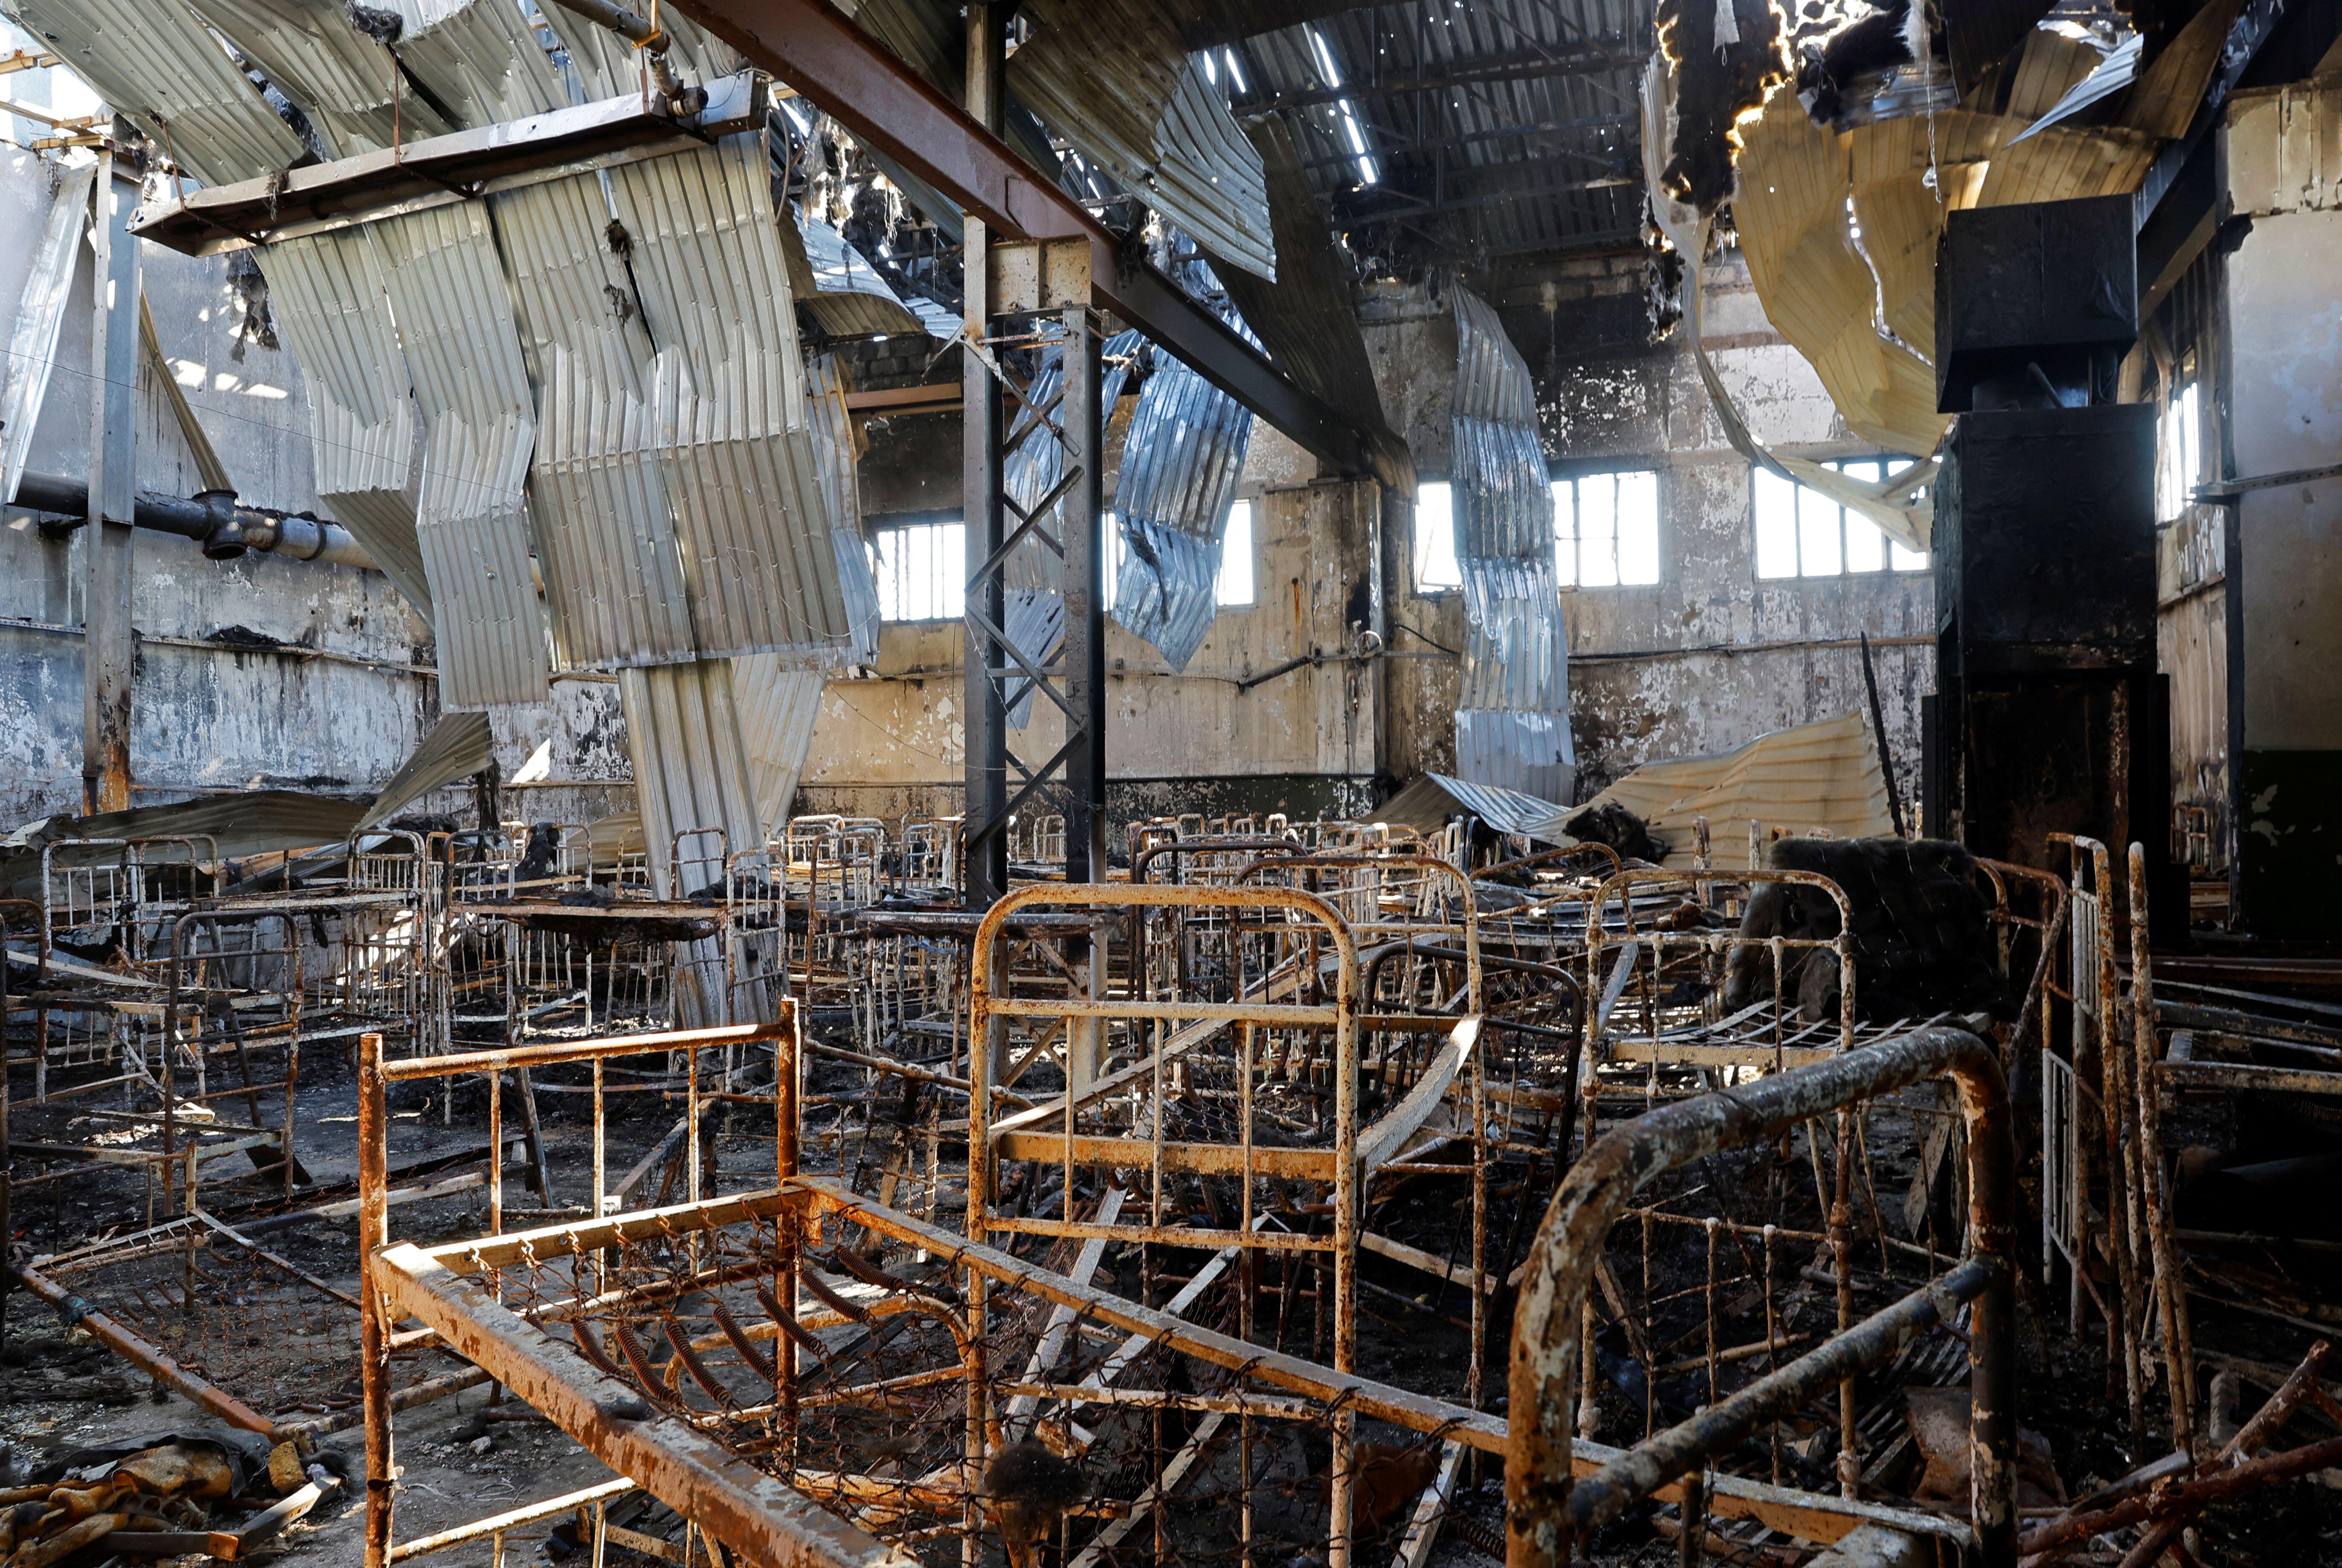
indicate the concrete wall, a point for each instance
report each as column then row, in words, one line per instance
column 2283, row 373
column 335, row 709
column 1709, row 657
column 1703, row 660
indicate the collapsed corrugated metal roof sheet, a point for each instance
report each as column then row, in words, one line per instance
column 1820, row 775
column 342, row 78
column 448, row 291
column 729, row 384
column 1112, row 77
column 40, row 316
column 837, row 448
column 1426, row 805
column 155, row 64
column 331, row 304
column 1511, row 718
column 1180, row 464
column 459, row 746
column 778, row 708
column 239, row 824
column 608, row 66
column 697, row 799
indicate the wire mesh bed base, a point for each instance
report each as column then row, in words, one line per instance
column 915, row 1397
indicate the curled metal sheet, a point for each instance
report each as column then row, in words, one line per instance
column 342, row 79
column 329, row 296
column 849, row 299
column 1179, row 469
column 837, row 451
column 1115, row 78
column 727, row 388
column 155, row 64
column 459, row 746
column 778, row 707
column 1511, row 718
column 479, row 59
column 448, row 294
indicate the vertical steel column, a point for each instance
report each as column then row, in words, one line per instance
column 984, row 717
column 107, row 653
column 1081, row 419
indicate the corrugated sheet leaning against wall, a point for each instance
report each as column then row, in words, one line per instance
column 1512, row 716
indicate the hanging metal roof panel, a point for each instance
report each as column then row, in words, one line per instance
column 155, row 64
column 340, row 77
column 448, row 294
column 479, row 58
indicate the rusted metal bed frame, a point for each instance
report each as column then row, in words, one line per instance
column 378, row 1322
column 678, row 1459
column 1548, row 1509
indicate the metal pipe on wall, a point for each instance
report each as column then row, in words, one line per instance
column 213, row 519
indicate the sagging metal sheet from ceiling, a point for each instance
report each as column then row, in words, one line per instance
column 837, row 449
column 1179, row 468
column 1512, row 715
column 728, row 395
column 1033, row 613
column 608, row 66
column 342, row 79
column 1113, row 78
column 697, row 799
column 40, row 317
column 448, row 294
column 479, row 59
column 332, row 306
column 155, row 64
column 615, row 588
column 778, row 707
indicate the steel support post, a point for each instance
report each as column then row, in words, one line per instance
column 1081, row 419
column 985, row 717
column 106, row 652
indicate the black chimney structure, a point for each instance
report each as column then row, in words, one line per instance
column 2048, row 715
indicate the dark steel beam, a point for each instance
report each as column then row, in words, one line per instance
column 811, row 45
column 1085, row 600
column 984, row 740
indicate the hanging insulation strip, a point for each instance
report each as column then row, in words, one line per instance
column 729, row 398
column 1512, row 719
column 328, row 294
column 478, row 58
column 155, row 64
column 1114, row 78
column 343, row 79
column 447, row 292
column 1179, row 469
column 40, row 317
column 778, row 707
column 613, row 581
column 837, row 451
